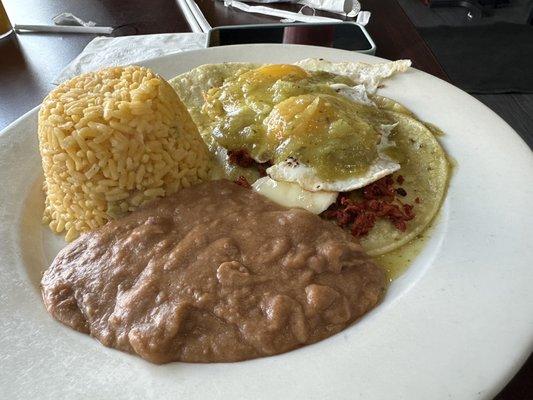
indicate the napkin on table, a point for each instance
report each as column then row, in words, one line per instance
column 124, row 50
column 334, row 6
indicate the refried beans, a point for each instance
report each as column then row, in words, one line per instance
column 214, row 273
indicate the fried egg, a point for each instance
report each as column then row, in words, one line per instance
column 315, row 133
column 313, row 120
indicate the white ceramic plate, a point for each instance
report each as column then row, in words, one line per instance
column 457, row 325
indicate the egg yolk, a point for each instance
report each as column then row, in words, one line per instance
column 334, row 135
column 273, row 72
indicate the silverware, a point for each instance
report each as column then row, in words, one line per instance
column 20, row 28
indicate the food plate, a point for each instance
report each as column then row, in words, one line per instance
column 457, row 324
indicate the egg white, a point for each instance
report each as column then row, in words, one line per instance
column 368, row 75
column 291, row 170
column 292, row 195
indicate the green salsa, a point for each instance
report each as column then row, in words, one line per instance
column 281, row 111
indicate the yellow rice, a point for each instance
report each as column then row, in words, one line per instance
column 110, row 141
